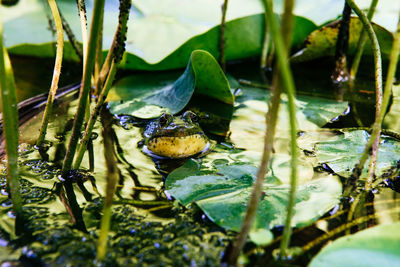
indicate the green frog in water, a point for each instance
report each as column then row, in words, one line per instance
column 175, row 137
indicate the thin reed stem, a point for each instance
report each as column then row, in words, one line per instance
column 92, row 119
column 374, row 139
column 287, row 80
column 112, row 178
column 109, row 153
column 116, row 51
column 361, row 42
column 85, row 87
column 71, row 38
column 99, row 60
column 56, row 72
column 221, row 44
column 394, row 57
column 340, row 73
column 82, row 14
column 10, row 126
column 288, row 83
column 266, row 42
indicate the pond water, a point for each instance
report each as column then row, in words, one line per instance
column 147, row 227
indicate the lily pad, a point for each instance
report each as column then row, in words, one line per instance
column 223, row 191
column 161, row 35
column 376, row 246
column 341, row 152
column 391, row 120
column 149, row 98
column 322, row 42
column 311, row 114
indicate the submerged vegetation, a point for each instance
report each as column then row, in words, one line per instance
column 230, row 162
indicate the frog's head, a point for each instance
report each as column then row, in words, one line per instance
column 175, row 137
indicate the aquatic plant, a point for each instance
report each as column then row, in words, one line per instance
column 10, row 129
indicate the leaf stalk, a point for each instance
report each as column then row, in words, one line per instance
column 285, row 74
column 10, row 127
column 56, row 72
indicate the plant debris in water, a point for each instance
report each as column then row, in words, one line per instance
column 184, row 239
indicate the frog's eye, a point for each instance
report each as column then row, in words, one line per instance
column 190, row 116
column 165, row 119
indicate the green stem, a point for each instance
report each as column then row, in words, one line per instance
column 221, row 43
column 394, row 57
column 116, row 51
column 340, row 73
column 112, row 180
column 10, row 125
column 85, row 87
column 104, row 229
column 99, row 59
column 72, row 39
column 267, row 40
column 380, row 108
column 56, row 72
column 82, row 14
column 287, row 80
column 361, row 42
column 92, row 120
column 109, row 153
column 288, row 83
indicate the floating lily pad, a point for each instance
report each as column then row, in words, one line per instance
column 322, row 42
column 223, row 191
column 150, row 98
column 376, row 246
column 311, row 114
column 341, row 152
column 392, row 121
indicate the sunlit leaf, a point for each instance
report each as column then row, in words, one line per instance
column 312, row 113
column 149, row 98
column 161, row 35
column 341, row 152
column 376, row 246
column 322, row 42
column 223, row 191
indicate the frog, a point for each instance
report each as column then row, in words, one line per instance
column 175, row 137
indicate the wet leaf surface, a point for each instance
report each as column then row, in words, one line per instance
column 342, row 151
column 223, row 191
column 376, row 246
column 322, row 42
column 149, row 98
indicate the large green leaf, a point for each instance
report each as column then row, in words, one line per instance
column 341, row 152
column 161, row 35
column 376, row 246
column 223, row 191
column 148, row 98
column 322, row 42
